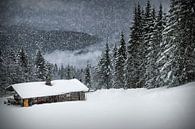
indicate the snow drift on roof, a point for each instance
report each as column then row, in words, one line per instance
column 39, row 89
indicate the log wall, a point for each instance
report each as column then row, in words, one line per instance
column 73, row 96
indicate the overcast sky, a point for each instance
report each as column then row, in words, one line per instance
column 97, row 17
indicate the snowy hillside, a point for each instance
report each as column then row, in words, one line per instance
column 160, row 108
column 33, row 39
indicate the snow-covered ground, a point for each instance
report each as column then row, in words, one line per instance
column 160, row 108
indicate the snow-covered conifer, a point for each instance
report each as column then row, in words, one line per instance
column 134, row 52
column 178, row 56
column 104, row 75
column 88, row 76
column 40, row 66
column 120, row 63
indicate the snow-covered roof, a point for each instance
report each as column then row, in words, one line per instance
column 39, row 89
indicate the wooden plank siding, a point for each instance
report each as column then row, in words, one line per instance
column 73, row 96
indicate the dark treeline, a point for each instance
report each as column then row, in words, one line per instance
column 18, row 67
column 160, row 52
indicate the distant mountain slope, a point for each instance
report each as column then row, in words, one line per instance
column 48, row 41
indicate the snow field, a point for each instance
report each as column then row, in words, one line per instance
column 160, row 108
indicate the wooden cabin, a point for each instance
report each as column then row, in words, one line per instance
column 27, row 94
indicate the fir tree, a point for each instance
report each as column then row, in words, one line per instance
column 104, row 70
column 114, row 59
column 14, row 71
column 148, row 26
column 23, row 63
column 88, row 77
column 159, row 46
column 68, row 72
column 62, row 72
column 55, row 72
column 178, row 57
column 187, row 41
column 120, row 63
column 22, row 58
column 48, row 77
column 81, row 75
column 3, row 72
column 134, row 52
column 40, row 66
column 108, row 66
column 150, row 74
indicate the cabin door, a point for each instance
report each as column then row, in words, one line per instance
column 26, row 103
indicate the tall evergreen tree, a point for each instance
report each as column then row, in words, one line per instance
column 3, row 72
column 147, row 34
column 55, row 72
column 10, row 70
column 88, row 77
column 134, row 52
column 179, row 57
column 14, row 70
column 68, row 72
column 157, row 39
column 100, row 73
column 104, row 70
column 22, row 58
column 48, row 76
column 40, row 66
column 107, row 65
column 114, row 59
column 146, row 28
column 187, row 42
column 62, row 72
column 80, row 74
column 120, row 63
column 150, row 74
column 24, row 65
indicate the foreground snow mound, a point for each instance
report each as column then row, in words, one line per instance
column 160, row 108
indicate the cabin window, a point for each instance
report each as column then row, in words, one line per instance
column 68, row 95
